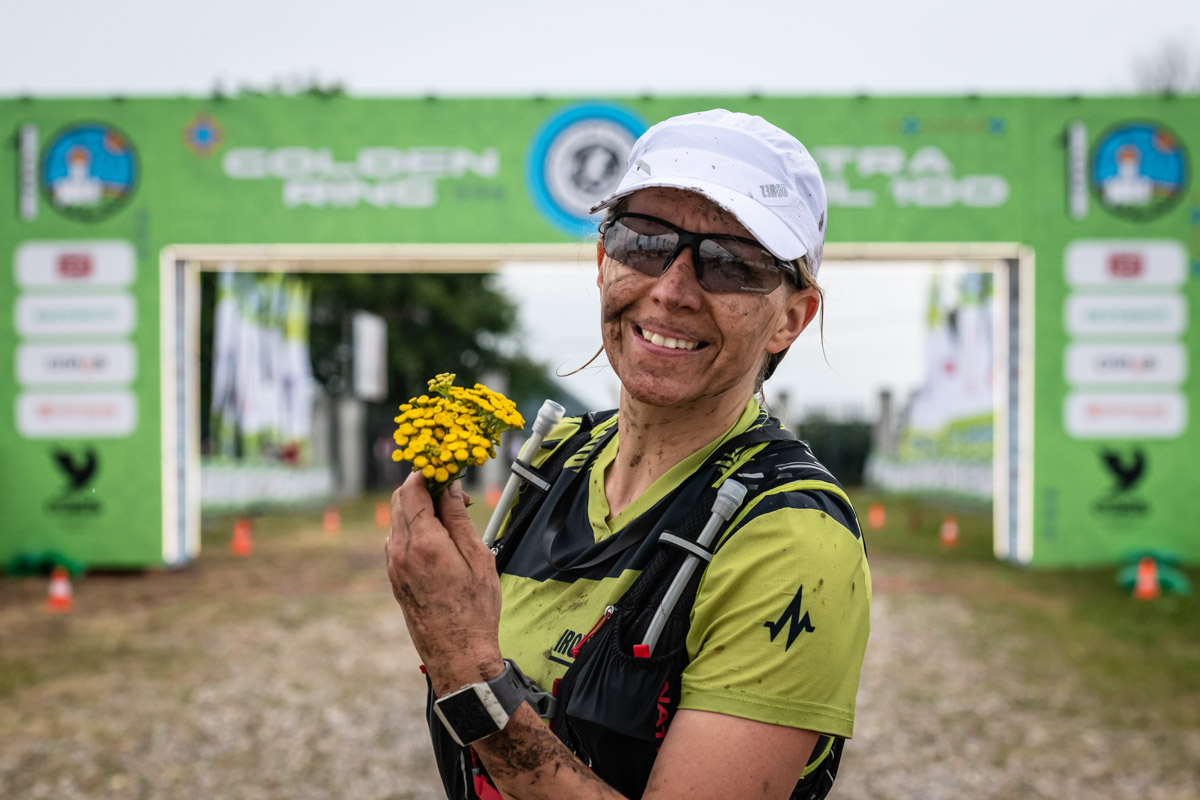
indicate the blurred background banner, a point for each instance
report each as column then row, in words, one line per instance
column 1082, row 212
column 370, row 356
column 262, row 382
column 943, row 442
column 259, row 449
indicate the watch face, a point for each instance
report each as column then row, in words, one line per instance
column 466, row 716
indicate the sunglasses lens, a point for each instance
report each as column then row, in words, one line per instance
column 643, row 244
column 726, row 264
column 733, row 266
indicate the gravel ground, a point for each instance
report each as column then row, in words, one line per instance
column 288, row 675
column 945, row 712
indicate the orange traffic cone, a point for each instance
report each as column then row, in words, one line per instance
column 492, row 496
column 240, row 544
column 949, row 532
column 332, row 520
column 1147, row 587
column 60, row 598
column 876, row 516
column 383, row 516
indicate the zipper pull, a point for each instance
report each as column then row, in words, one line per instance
column 608, row 612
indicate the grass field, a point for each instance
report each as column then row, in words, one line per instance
column 1125, row 650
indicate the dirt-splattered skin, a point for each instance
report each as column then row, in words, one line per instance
column 674, row 401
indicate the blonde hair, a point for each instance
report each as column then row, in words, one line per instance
column 804, row 280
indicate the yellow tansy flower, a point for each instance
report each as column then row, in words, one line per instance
column 442, row 432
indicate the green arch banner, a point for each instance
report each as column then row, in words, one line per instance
column 1092, row 203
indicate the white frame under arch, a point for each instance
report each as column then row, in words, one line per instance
column 180, row 266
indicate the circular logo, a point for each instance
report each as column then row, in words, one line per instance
column 89, row 171
column 1139, row 170
column 203, row 134
column 577, row 158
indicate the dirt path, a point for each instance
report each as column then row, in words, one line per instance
column 288, row 675
column 945, row 712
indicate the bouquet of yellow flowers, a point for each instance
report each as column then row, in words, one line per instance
column 451, row 428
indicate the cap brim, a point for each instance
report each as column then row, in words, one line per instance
column 762, row 223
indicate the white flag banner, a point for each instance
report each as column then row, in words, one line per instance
column 370, row 356
column 947, row 444
column 930, row 406
column 958, row 357
column 223, row 409
column 298, row 386
column 249, row 368
column 270, row 346
column 263, row 385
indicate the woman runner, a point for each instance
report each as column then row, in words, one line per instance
column 707, row 259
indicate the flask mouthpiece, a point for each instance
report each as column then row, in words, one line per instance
column 729, row 498
column 549, row 415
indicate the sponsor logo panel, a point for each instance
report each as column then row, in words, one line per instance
column 1164, row 314
column 1115, row 363
column 48, row 264
column 1090, row 415
column 1125, row 263
column 53, row 315
column 1127, row 470
column 42, row 415
column 79, row 469
column 76, row 363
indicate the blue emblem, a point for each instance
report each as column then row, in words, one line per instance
column 89, row 171
column 1139, row 170
column 203, row 134
column 577, row 157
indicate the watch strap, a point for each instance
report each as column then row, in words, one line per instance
column 508, row 688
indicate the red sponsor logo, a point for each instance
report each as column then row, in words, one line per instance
column 74, row 265
column 1125, row 265
column 67, row 410
column 1131, row 410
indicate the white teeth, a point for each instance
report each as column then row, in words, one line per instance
column 663, row 341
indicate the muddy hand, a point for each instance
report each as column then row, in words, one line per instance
column 445, row 581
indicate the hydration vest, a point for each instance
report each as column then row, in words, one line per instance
column 615, row 702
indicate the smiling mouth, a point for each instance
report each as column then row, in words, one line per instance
column 667, row 341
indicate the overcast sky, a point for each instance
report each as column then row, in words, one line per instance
column 670, row 47
column 467, row 47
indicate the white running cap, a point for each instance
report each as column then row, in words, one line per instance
column 759, row 173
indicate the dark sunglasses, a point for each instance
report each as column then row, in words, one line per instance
column 723, row 263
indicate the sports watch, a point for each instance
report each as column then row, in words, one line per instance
column 481, row 709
